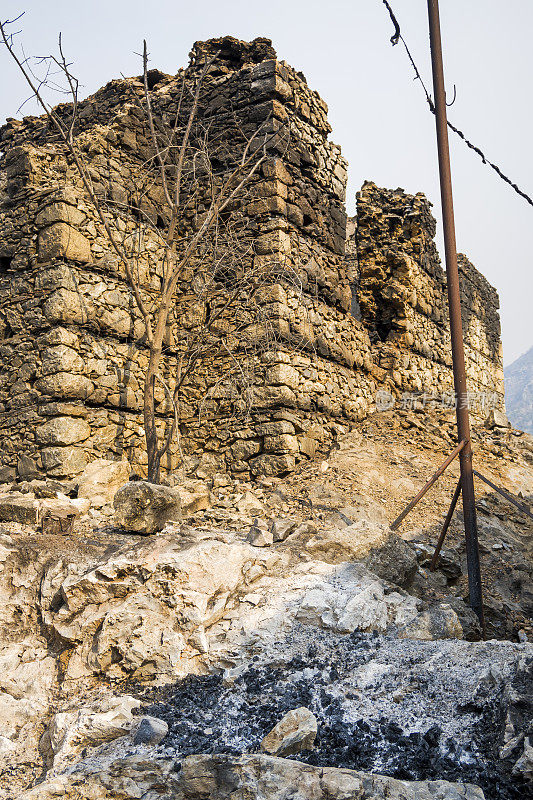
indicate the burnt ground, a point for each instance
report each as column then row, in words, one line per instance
column 411, row 710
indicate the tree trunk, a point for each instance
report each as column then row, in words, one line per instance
column 150, row 431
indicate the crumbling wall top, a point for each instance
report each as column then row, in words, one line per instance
column 230, row 53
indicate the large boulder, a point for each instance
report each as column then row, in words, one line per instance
column 217, row 777
column 101, row 479
column 143, row 507
column 266, row 778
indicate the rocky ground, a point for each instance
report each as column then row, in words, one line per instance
column 154, row 666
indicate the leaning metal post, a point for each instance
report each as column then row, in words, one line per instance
column 434, row 478
column 454, row 303
column 449, row 515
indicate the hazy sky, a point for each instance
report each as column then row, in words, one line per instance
column 378, row 113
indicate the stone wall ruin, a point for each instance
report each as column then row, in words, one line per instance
column 369, row 314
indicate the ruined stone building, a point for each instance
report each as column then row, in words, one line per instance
column 370, row 315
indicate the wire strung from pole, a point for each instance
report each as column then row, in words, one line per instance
column 397, row 37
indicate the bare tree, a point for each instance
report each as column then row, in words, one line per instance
column 205, row 242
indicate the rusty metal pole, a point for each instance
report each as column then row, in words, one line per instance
column 454, row 304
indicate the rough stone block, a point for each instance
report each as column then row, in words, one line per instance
column 283, row 374
column 194, row 496
column 259, row 535
column 63, row 431
column 274, row 242
column 100, row 480
column 18, row 162
column 27, row 467
column 307, row 446
column 269, row 396
column 274, row 428
column 143, row 507
column 7, row 474
column 267, row 205
column 281, row 528
column 282, row 443
column 62, row 241
column 65, row 385
column 271, row 464
column 19, row 508
column 275, row 168
column 63, row 461
column 59, row 212
column 67, row 306
column 58, row 518
column 497, row 419
column 243, row 450
column 272, row 294
column 61, row 359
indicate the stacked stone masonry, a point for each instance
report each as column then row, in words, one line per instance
column 367, row 312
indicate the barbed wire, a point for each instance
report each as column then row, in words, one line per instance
column 397, row 37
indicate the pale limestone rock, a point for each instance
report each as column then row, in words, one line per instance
column 27, row 679
column 63, row 431
column 101, row 479
column 63, row 505
column 62, row 461
column 292, row 734
column 148, row 611
column 139, row 637
column 353, row 542
column 66, row 386
column 524, row 765
column 497, row 419
column 59, row 212
column 267, row 778
column 260, row 777
column 70, row 731
column 307, row 446
column 143, row 507
column 249, row 504
column 61, row 359
column 306, row 528
column 283, row 374
column 62, row 241
column 194, row 496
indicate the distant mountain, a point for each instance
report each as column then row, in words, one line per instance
column 519, row 392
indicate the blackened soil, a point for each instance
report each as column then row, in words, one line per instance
column 208, row 715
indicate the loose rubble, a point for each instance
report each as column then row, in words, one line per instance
column 251, row 633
